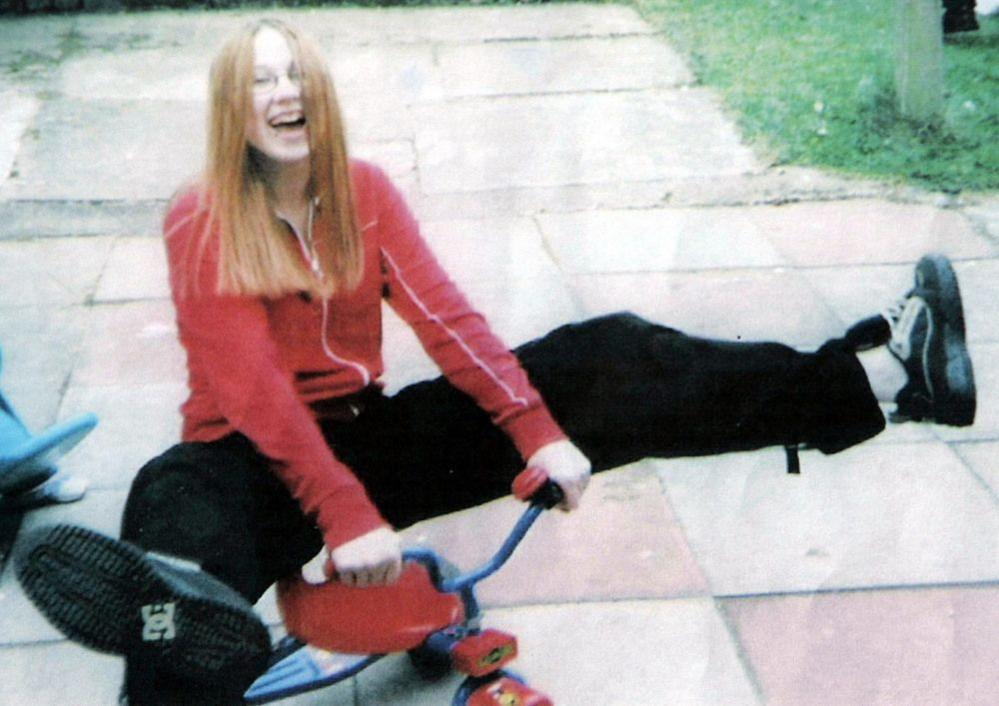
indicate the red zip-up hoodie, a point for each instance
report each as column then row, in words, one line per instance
column 255, row 364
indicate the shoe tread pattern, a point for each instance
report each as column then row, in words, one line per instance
column 93, row 589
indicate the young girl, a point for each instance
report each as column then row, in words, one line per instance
column 280, row 257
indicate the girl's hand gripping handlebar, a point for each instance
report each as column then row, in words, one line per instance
column 533, row 486
column 373, row 559
column 567, row 467
column 557, row 475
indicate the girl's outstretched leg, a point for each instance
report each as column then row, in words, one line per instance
column 625, row 389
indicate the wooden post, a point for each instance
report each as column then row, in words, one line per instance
column 919, row 75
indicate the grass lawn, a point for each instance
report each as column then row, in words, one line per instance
column 810, row 81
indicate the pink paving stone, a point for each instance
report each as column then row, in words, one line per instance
column 113, row 453
column 859, row 291
column 921, row 646
column 983, row 458
column 623, row 542
column 856, row 232
column 747, row 304
column 133, row 343
column 856, row 292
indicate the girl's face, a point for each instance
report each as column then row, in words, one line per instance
column 277, row 128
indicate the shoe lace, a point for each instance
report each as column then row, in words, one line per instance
column 902, row 316
column 893, row 312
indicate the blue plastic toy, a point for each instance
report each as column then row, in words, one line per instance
column 28, row 474
column 336, row 631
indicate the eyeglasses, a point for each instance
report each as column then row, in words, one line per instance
column 266, row 83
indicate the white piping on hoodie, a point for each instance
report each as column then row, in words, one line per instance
column 513, row 396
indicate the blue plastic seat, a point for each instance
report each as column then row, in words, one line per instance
column 28, row 460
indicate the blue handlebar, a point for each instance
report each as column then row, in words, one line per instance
column 549, row 496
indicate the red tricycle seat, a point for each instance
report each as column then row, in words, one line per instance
column 373, row 620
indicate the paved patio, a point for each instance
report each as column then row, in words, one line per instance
column 564, row 163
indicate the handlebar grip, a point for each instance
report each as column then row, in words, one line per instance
column 533, row 485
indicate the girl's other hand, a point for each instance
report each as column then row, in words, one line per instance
column 567, row 467
column 373, row 559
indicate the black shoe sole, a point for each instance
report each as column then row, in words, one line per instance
column 955, row 404
column 110, row 596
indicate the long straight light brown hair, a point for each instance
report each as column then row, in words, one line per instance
column 257, row 256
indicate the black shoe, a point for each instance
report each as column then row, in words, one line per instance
column 959, row 21
column 928, row 338
column 113, row 597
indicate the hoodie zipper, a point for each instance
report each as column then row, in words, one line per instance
column 310, row 254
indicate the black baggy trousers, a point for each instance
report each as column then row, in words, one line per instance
column 621, row 387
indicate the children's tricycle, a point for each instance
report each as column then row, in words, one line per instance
column 336, row 630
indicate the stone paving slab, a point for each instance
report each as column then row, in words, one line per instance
column 855, row 292
column 137, row 75
column 585, row 556
column 986, row 214
column 37, row 401
column 868, row 231
column 397, row 159
column 775, row 186
column 600, row 653
column 35, row 218
column 100, row 509
column 771, row 304
column 136, row 268
column 523, row 310
column 983, row 458
column 17, row 111
column 502, row 267
column 137, row 421
column 498, row 249
column 532, row 66
column 365, row 119
column 529, row 201
column 122, row 150
column 517, row 312
column 58, row 271
column 405, row 73
column 40, row 342
column 20, row 623
column 404, row 358
column 872, row 647
column 656, row 240
column 874, row 515
column 38, row 345
column 487, row 24
column 59, row 673
column 538, row 141
column 133, row 343
column 368, row 25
